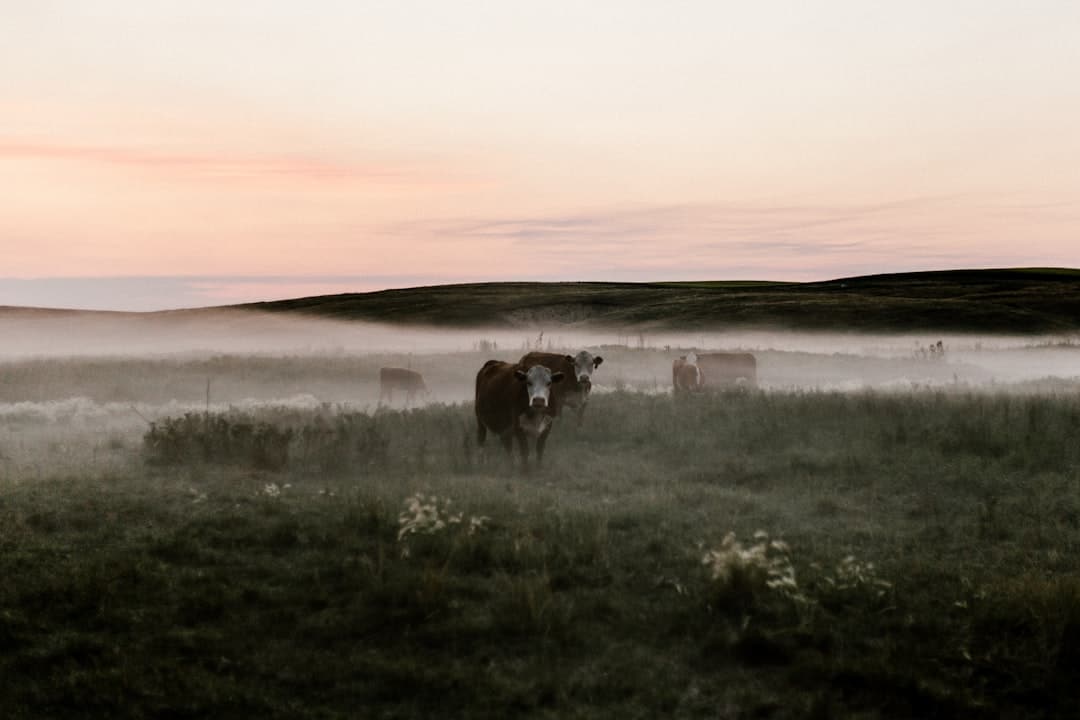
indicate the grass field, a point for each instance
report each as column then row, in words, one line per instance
column 918, row 555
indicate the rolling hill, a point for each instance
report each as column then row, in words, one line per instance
column 1030, row 300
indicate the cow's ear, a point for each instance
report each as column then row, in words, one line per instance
column 569, row 359
column 520, row 374
column 596, row 361
column 556, row 377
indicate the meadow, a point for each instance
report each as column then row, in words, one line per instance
column 226, row 536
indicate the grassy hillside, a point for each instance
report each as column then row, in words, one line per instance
column 1033, row 300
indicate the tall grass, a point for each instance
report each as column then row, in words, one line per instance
column 917, row 560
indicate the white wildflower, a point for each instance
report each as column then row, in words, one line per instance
column 765, row 564
column 426, row 515
column 851, row 575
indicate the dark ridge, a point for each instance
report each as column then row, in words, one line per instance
column 1022, row 300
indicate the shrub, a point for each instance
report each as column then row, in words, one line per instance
column 219, row 439
column 320, row 443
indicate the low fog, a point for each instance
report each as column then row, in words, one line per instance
column 786, row 359
column 101, row 378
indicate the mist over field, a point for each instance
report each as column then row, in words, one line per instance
column 639, row 359
column 109, row 374
column 69, row 376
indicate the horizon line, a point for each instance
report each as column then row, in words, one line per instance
column 190, row 292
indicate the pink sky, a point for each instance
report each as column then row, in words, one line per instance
column 356, row 146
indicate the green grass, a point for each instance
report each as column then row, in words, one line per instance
column 1024, row 301
column 188, row 589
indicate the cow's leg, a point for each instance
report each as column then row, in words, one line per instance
column 581, row 414
column 481, row 432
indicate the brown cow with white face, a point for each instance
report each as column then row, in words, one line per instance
column 514, row 402
column 573, row 391
column 686, row 376
column 408, row 381
column 693, row 372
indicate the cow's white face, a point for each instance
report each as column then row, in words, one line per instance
column 538, row 380
column 584, row 364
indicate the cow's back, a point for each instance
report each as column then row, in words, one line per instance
column 728, row 368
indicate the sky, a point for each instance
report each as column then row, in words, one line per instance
column 158, row 154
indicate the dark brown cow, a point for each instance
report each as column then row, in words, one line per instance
column 393, row 378
column 686, row 375
column 727, row 368
column 573, row 391
column 512, row 401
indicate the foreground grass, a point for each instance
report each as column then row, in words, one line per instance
column 212, row 589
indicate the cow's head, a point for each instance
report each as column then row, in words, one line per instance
column 584, row 364
column 538, row 380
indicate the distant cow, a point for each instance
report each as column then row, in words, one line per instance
column 408, row 381
column 693, row 372
column 573, row 391
column 686, row 375
column 513, row 401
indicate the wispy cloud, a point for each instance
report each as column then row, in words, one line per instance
column 224, row 166
column 782, row 241
column 641, row 243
